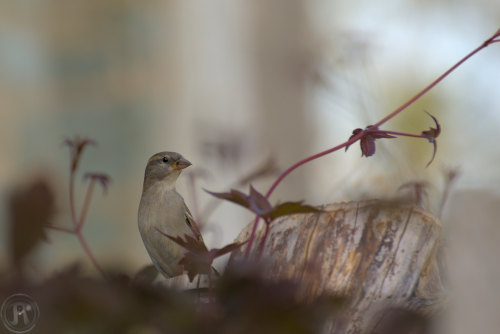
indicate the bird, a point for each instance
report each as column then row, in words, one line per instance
column 162, row 208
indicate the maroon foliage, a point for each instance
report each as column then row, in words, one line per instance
column 198, row 258
column 30, row 210
column 260, row 205
column 367, row 141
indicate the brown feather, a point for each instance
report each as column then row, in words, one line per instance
column 192, row 225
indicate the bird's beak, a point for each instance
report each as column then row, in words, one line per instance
column 181, row 164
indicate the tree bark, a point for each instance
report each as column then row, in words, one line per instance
column 380, row 255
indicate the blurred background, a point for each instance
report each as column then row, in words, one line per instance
column 236, row 86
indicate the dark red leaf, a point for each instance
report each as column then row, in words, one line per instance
column 198, row 259
column 354, row 133
column 367, row 144
column 432, row 133
column 258, row 202
column 196, row 264
column 189, row 243
column 234, row 196
column 227, row 249
column 367, row 140
column 376, row 133
column 255, row 202
column 431, row 136
column 434, row 150
column 30, row 210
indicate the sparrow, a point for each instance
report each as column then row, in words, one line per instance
column 163, row 208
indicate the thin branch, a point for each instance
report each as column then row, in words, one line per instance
column 263, row 241
column 77, row 146
column 266, row 168
column 401, row 134
column 285, row 174
column 72, row 197
column 90, row 254
column 85, row 207
column 353, row 139
column 438, row 80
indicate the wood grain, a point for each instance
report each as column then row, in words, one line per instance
column 381, row 255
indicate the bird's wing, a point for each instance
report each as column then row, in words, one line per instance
column 192, row 224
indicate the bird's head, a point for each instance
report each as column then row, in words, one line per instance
column 164, row 167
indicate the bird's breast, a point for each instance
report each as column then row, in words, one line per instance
column 160, row 209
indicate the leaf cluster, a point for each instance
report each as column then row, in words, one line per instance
column 368, row 136
column 198, row 259
column 260, row 205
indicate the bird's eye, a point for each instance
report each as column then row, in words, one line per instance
column 165, row 159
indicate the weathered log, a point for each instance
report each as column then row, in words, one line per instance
column 380, row 255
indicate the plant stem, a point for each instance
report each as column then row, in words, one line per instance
column 263, row 241
column 285, row 174
column 89, row 254
column 489, row 41
column 72, row 197
column 85, row 207
column 438, row 80
column 402, row 134
column 79, row 225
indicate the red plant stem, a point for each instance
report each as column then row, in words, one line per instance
column 72, row 197
column 89, row 254
column 402, row 134
column 285, row 174
column 78, row 225
column 361, row 133
column 85, row 207
column 263, row 241
column 76, row 147
column 438, row 80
